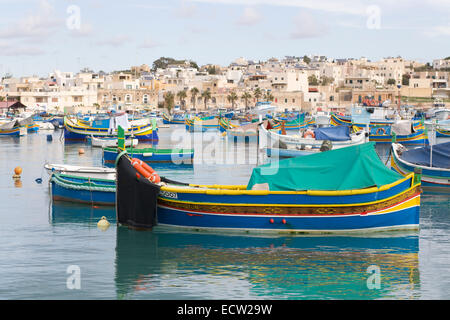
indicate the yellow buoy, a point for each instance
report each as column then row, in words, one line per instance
column 81, row 151
column 103, row 224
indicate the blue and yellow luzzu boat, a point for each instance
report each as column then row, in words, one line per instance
column 442, row 133
column 435, row 175
column 83, row 189
column 175, row 119
column 380, row 132
column 202, row 124
column 78, row 131
column 339, row 191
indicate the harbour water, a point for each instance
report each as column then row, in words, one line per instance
column 41, row 240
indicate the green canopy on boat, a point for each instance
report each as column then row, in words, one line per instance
column 354, row 167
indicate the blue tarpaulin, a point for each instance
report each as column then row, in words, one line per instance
column 338, row 133
column 421, row 156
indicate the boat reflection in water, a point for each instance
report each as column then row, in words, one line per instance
column 167, row 264
column 66, row 212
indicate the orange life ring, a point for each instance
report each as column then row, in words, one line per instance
column 382, row 130
column 145, row 170
column 310, row 133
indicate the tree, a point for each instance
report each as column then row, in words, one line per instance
column 257, row 94
column 206, row 95
column 169, row 101
column 391, row 81
column 327, row 80
column 246, row 96
column 268, row 96
column 194, row 93
column 312, row 80
column 232, row 97
column 306, row 59
column 405, row 79
column 182, row 96
column 211, row 70
column 163, row 62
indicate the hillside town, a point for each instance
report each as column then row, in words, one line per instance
column 310, row 83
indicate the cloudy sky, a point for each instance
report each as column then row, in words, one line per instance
column 38, row 36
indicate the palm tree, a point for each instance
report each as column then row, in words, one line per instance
column 182, row 96
column 246, row 96
column 194, row 93
column 268, row 96
column 169, row 101
column 232, row 97
column 206, row 95
column 257, row 94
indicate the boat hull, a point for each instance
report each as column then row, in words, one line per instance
column 431, row 180
column 239, row 211
column 83, row 190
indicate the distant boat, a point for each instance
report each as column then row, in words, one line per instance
column 435, row 165
column 111, row 142
column 152, row 155
column 314, row 139
column 78, row 130
column 80, row 171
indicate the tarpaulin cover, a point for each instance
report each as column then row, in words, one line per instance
column 338, row 133
column 354, row 167
column 421, row 156
column 136, row 197
column 402, row 127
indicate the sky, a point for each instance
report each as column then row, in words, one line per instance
column 39, row 36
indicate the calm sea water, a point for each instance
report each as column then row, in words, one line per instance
column 39, row 241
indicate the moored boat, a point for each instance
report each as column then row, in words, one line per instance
column 73, row 130
column 340, row 137
column 83, row 189
column 81, row 171
column 433, row 161
column 340, row 191
column 152, row 155
column 111, row 142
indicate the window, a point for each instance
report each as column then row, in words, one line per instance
column 285, row 100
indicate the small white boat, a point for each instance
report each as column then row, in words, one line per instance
column 45, row 125
column 80, row 171
column 111, row 142
column 310, row 141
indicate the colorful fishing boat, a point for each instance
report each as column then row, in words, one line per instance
column 382, row 132
column 83, row 189
column 442, row 133
column 291, row 124
column 175, row 119
column 12, row 129
column 152, row 155
column 202, row 124
column 340, row 191
column 433, row 161
column 342, row 136
column 73, row 130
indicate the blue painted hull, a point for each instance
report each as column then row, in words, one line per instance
column 109, row 158
column 85, row 195
column 408, row 218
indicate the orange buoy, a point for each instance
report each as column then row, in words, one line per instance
column 283, row 221
column 81, row 151
column 18, row 171
column 271, row 221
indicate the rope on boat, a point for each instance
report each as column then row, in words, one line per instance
column 81, row 186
